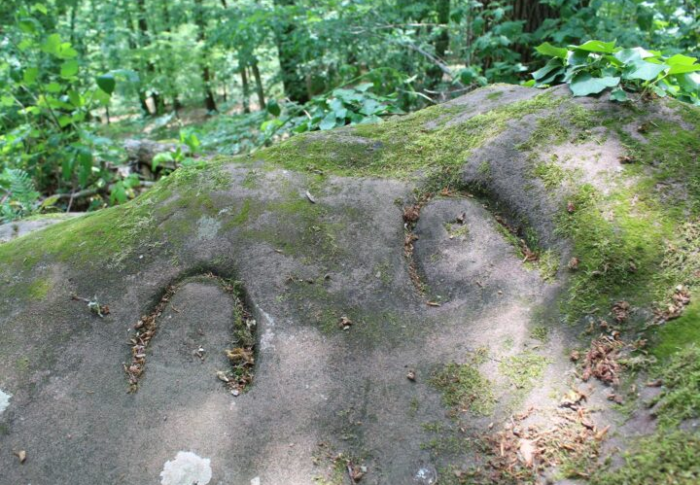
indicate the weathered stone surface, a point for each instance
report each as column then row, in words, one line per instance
column 319, row 390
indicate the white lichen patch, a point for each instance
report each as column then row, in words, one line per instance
column 207, row 228
column 186, row 469
column 255, row 481
column 4, row 400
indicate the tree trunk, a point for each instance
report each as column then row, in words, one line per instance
column 209, row 101
column 532, row 13
column 259, row 89
column 294, row 83
column 442, row 41
column 246, row 89
column 133, row 45
column 171, row 75
column 145, row 41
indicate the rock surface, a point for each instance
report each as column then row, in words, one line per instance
column 346, row 296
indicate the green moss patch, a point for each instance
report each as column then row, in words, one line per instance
column 464, row 388
column 524, row 370
column 668, row 458
column 676, row 334
column 680, row 397
column 403, row 147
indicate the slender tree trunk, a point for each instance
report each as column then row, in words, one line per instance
column 209, row 101
column 442, row 40
column 133, row 45
column 144, row 41
column 294, row 83
column 171, row 75
column 246, row 88
column 258, row 83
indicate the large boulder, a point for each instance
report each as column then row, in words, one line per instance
column 383, row 303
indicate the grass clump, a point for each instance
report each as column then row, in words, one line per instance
column 680, row 398
column 541, row 333
column 550, row 130
column 524, row 370
column 552, row 175
column 464, row 388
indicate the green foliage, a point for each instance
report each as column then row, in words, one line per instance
column 345, row 106
column 179, row 158
column 46, row 102
column 595, row 66
column 20, row 197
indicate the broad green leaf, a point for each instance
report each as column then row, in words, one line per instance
column 552, row 66
column 69, row 69
column 273, row 107
column 52, row 44
column 53, row 87
column 596, row 46
column 627, row 56
column 583, row 84
column 49, row 201
column 682, row 69
column 161, row 158
column 680, row 59
column 371, row 107
column 25, row 44
column 646, row 71
column 64, row 120
column 659, row 91
column 328, row 122
column 106, row 83
column 618, row 95
column 548, row 49
column 689, row 82
column 30, row 75
column 577, row 58
column 364, row 87
column 75, row 98
column 67, row 52
column 7, row 101
column 27, row 26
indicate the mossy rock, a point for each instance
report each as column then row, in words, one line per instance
column 538, row 212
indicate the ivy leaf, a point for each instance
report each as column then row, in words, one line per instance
column 682, row 69
column 547, row 74
column 680, row 59
column 53, row 87
column 618, row 95
column 627, row 56
column 107, row 83
column 584, row 84
column 28, row 26
column 328, row 122
column 52, row 44
column 30, row 75
column 273, row 107
column 548, row 49
column 596, row 46
column 69, row 69
column 646, row 71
